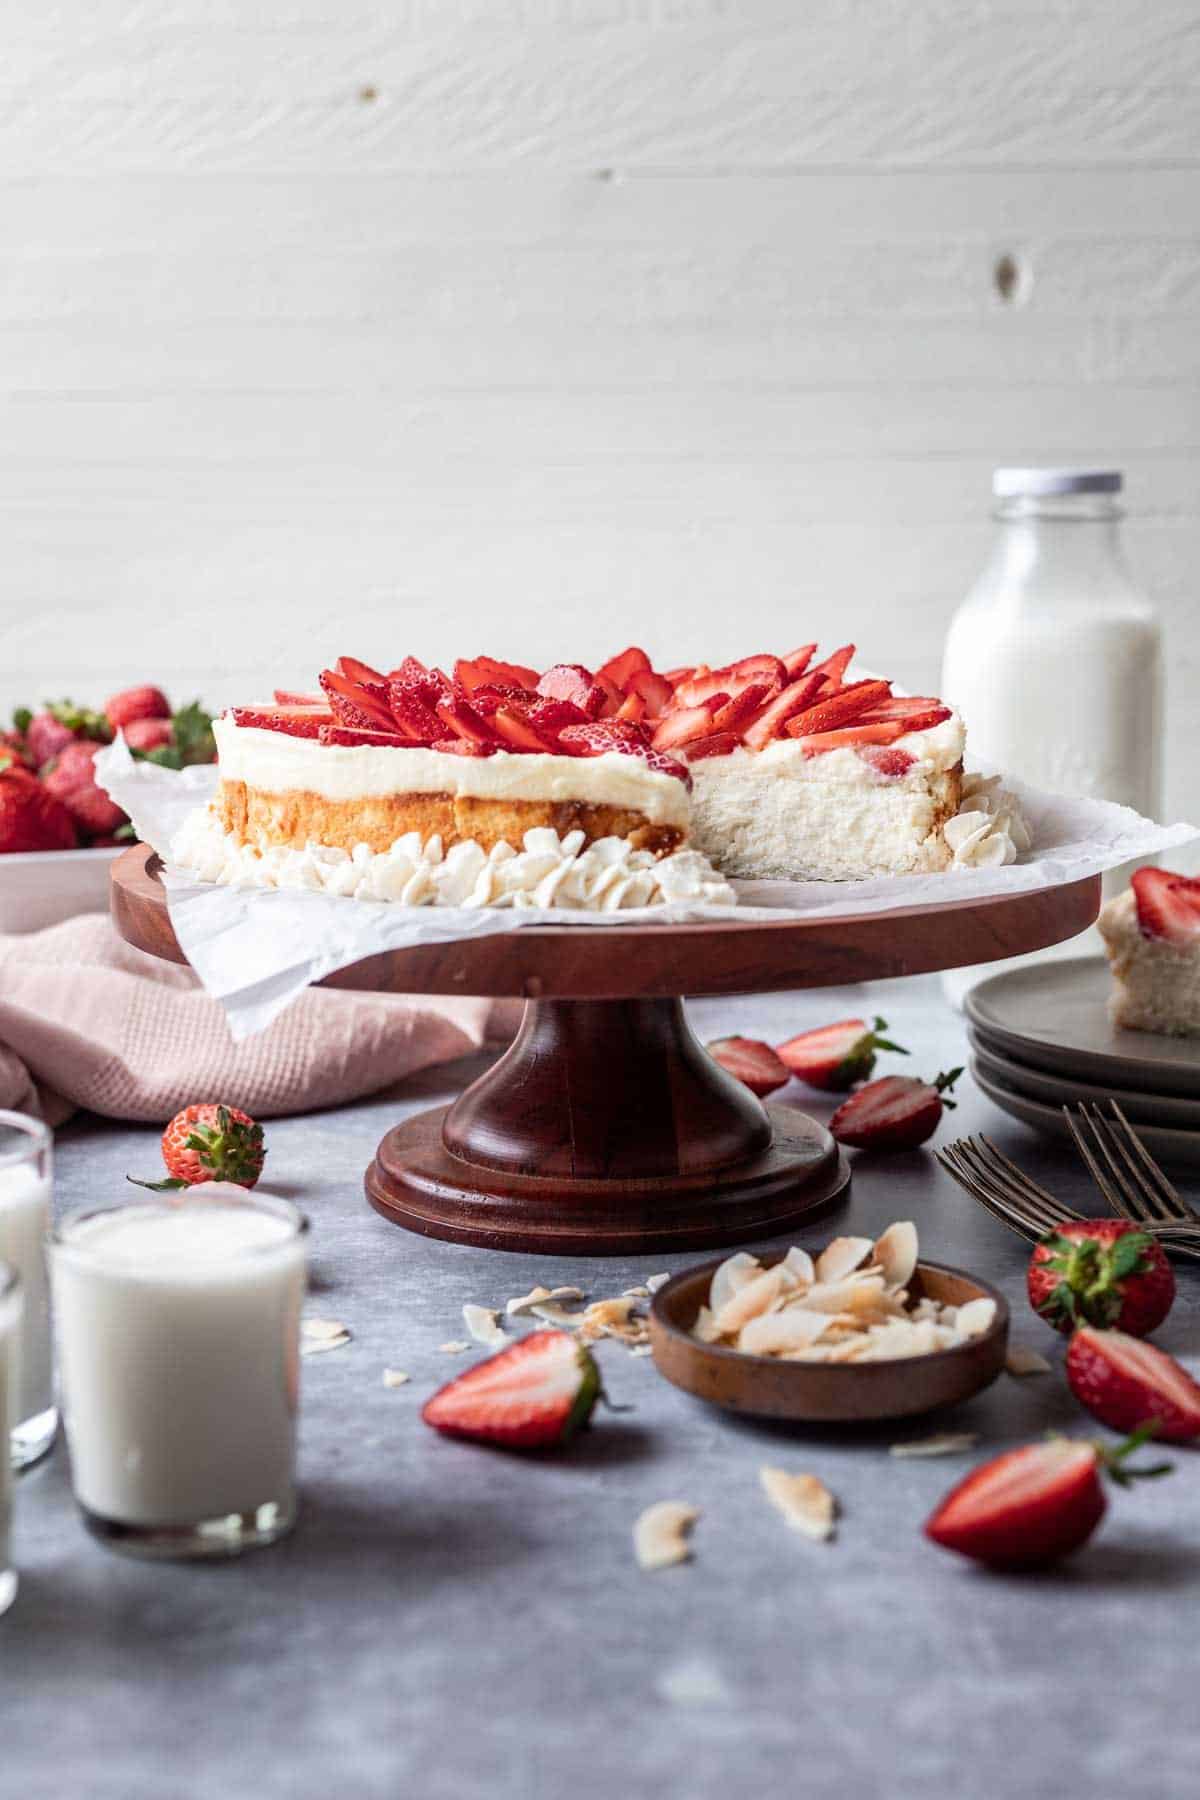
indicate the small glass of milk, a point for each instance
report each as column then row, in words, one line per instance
column 178, row 1326
column 25, row 1186
column 10, row 1351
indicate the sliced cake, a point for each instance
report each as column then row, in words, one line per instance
column 1151, row 934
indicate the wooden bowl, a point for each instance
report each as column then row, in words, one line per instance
column 826, row 1393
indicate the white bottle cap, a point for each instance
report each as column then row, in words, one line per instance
column 1009, row 484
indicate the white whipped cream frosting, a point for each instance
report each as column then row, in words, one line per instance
column 604, row 876
column 988, row 830
column 277, row 763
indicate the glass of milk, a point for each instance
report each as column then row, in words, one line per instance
column 178, row 1328
column 25, row 1187
column 10, row 1351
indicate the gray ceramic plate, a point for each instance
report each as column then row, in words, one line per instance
column 1179, row 1149
column 1054, row 1016
column 1061, row 1090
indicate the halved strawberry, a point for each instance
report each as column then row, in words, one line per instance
column 514, row 726
column 285, row 697
column 601, row 735
column 721, row 743
column 458, row 746
column 1125, row 1383
column 538, row 1393
column 1031, row 1506
column 293, row 721
column 832, row 710
column 751, row 1062
column 797, row 661
column 834, row 667
column 891, row 763
column 897, row 1112
column 461, row 718
column 350, row 735
column 485, row 671
column 1168, row 906
column 571, row 681
column 771, row 720
column 413, row 717
column 834, row 1057
column 686, row 723
column 655, row 690
column 851, row 736
column 619, row 669
column 355, row 705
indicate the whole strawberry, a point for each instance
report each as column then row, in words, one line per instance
column 897, row 1112
column 46, row 736
column 136, row 703
column 1103, row 1272
column 834, row 1057
column 30, row 818
column 1127, row 1383
column 210, row 1142
column 71, row 778
column 1032, row 1506
column 148, row 734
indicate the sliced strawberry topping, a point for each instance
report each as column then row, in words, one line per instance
column 515, row 728
column 887, row 762
column 837, row 709
column 851, row 736
column 620, row 669
column 347, row 734
column 632, row 707
column 461, row 718
column 361, row 674
column 796, row 661
column 919, row 721
column 487, row 699
column 430, row 685
column 688, row 722
column 550, row 717
column 285, row 697
column 734, row 679
column 571, row 681
column 834, row 667
column 907, row 706
column 675, row 676
column 416, row 720
column 794, row 698
column 739, row 709
column 604, row 734
column 355, row 705
column 294, row 721
column 1168, row 906
column 662, row 764
column 721, row 743
column 655, row 690
column 485, row 671
column 458, row 746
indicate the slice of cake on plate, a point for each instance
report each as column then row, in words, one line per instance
column 619, row 787
column 1151, row 934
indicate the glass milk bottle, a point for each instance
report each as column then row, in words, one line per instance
column 1054, row 657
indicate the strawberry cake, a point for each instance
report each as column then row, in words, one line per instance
column 1151, row 935
column 623, row 786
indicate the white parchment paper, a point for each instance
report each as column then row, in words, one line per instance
column 254, row 950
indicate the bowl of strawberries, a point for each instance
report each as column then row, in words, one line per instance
column 51, row 804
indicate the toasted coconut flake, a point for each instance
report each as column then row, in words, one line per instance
column 660, row 1534
column 843, row 1255
column 323, row 1328
column 775, row 1334
column 976, row 1317
column 525, row 1303
column 635, row 1293
column 551, row 1313
column 318, row 1346
column 896, row 1253
column 805, row 1502
column 758, row 1296
column 454, row 1346
column 483, row 1323
column 850, row 1296
column 945, row 1443
column 654, row 1282
column 802, row 1266
column 705, row 1328
column 1023, row 1360
column 394, row 1378
column 733, row 1275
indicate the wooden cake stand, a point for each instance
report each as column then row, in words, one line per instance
column 606, row 1127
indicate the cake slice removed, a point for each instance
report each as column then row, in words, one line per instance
column 1151, row 935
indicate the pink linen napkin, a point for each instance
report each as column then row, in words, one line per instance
column 86, row 1020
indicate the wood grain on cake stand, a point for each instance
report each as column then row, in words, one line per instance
column 606, row 1126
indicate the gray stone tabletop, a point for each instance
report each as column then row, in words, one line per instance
column 452, row 1622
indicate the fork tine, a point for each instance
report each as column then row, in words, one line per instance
column 1114, row 1196
column 1143, row 1197
column 1179, row 1207
column 1041, row 1207
column 1013, row 1220
column 1017, row 1175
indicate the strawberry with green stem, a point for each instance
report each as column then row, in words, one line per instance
column 836, row 1057
column 1104, row 1272
column 210, row 1142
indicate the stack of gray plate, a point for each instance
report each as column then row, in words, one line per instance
column 1041, row 1039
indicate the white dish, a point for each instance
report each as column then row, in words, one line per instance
column 43, row 887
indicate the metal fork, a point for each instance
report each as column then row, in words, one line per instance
column 1018, row 1202
column 1124, row 1170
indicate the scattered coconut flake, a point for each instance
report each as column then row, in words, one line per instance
column 635, row 1293
column 318, row 1346
column 641, row 1349
column 483, row 1323
column 842, row 1256
column 805, row 1502
column 896, row 1253
column 551, row 1313
column 394, row 1378
column 654, row 1282
column 660, row 1534
column 453, row 1346
column 527, row 1303
column 1023, row 1360
column 946, row 1443
column 323, row 1328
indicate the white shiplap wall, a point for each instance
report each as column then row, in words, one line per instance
column 534, row 325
